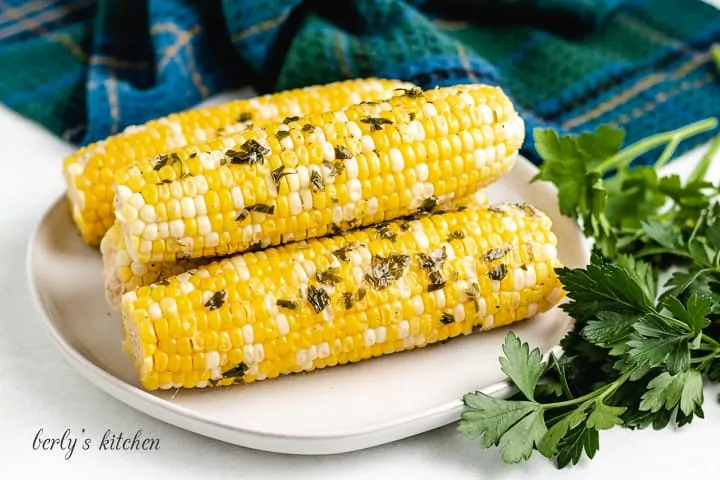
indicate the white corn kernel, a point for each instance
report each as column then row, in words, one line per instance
column 421, row 239
column 337, row 214
column 459, row 312
column 487, row 113
column 418, row 305
column 351, row 168
column 422, row 172
column 353, row 129
column 188, row 207
column 248, row 354
column 282, row 324
column 532, row 309
column 397, row 163
column 136, row 227
column 403, row 329
column 368, row 143
column 303, row 176
column 323, row 350
column 201, row 184
column 439, row 298
column 176, row 191
column 429, row 110
column 380, row 335
column 212, row 360
column 518, row 279
column 212, row 240
column 306, row 198
column 349, row 212
column 530, row 276
column 154, row 311
column 488, row 322
column 247, row 333
column 203, row 225
column 295, row 203
column 372, row 206
column 147, row 213
column 354, row 190
column 328, row 152
column 293, row 182
column 369, row 337
column 136, row 200
column 150, row 232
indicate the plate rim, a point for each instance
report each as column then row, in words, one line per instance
column 181, row 417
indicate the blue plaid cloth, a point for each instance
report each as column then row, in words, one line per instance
column 87, row 69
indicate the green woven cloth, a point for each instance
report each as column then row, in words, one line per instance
column 86, row 69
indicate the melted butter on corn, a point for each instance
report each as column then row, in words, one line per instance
column 301, row 306
column 369, row 163
column 89, row 172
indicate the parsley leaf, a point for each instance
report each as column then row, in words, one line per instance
column 522, row 365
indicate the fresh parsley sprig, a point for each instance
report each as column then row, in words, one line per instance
column 640, row 349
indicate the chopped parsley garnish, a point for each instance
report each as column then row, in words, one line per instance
column 237, row 371
column 278, row 174
column 335, row 229
column 530, row 210
column 258, row 207
column 348, row 300
column 334, row 168
column 217, row 300
column 447, row 318
column 282, row 134
column 318, row 298
column 496, row 253
column 360, row 294
column 244, row 117
column 290, row 119
column 385, row 270
column 432, row 263
column 169, row 160
column 412, row 116
column 456, row 235
column 383, row 231
column 164, row 282
column 289, row 304
column 428, row 205
column 308, row 128
column 317, row 182
column 497, row 273
column 473, row 293
column 342, row 252
column 329, row 277
column 255, row 247
column 376, row 123
column 250, row 153
column 413, row 92
column 342, row 153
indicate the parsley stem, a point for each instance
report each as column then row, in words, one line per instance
column 711, row 341
column 602, row 392
column 702, row 167
column 667, row 153
column 625, row 156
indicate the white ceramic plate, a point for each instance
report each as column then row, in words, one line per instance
column 328, row 411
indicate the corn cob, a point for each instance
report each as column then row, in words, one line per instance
column 297, row 307
column 89, row 172
column 122, row 274
column 324, row 173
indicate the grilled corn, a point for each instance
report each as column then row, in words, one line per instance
column 89, row 172
column 336, row 300
column 316, row 175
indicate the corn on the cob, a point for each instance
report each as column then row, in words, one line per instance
column 122, row 274
column 320, row 174
column 333, row 300
column 89, row 172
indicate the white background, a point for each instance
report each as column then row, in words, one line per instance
column 39, row 390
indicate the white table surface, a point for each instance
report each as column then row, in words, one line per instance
column 39, row 390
